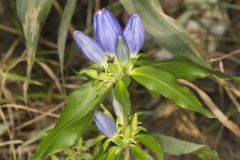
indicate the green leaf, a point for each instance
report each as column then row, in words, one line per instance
column 31, row 13
column 63, row 29
column 23, row 6
column 101, row 157
column 151, row 143
column 93, row 73
column 163, row 29
column 75, row 118
column 183, row 68
column 113, row 153
column 16, row 77
column 122, row 96
column 53, row 157
column 139, row 154
column 174, row 146
column 166, row 84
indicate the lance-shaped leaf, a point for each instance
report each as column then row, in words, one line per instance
column 63, row 30
column 183, row 68
column 165, row 83
column 163, row 29
column 23, row 6
column 75, row 118
column 31, row 13
column 174, row 146
column 121, row 94
column 151, row 143
column 139, row 154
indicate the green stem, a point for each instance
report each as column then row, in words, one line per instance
column 126, row 154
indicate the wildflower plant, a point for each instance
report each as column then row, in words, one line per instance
column 116, row 64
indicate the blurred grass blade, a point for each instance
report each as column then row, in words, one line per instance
column 16, row 77
column 74, row 119
column 24, row 6
column 51, row 74
column 128, row 5
column 174, row 146
column 164, row 30
column 63, row 30
column 31, row 13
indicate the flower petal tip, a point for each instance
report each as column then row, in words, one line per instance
column 107, row 29
column 100, row 11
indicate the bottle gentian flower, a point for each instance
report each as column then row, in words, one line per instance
column 105, row 124
column 111, row 40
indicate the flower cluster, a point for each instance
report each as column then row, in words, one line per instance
column 121, row 134
column 111, row 41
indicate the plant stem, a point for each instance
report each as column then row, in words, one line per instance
column 126, row 154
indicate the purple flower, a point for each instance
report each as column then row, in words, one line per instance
column 89, row 47
column 107, row 30
column 134, row 34
column 111, row 40
column 105, row 124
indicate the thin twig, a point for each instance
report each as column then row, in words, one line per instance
column 13, row 149
column 9, row 52
column 97, row 5
column 51, row 74
column 230, row 94
column 48, row 43
column 41, row 40
column 7, row 143
column 36, row 119
column 214, row 108
column 29, row 109
column 225, row 56
column 9, row 29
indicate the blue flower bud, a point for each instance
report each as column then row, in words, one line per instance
column 118, row 109
column 134, row 34
column 90, row 48
column 107, row 30
column 105, row 124
column 122, row 52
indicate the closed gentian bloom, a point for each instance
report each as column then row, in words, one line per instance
column 90, row 47
column 122, row 52
column 110, row 40
column 107, row 30
column 118, row 109
column 105, row 124
column 134, row 34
